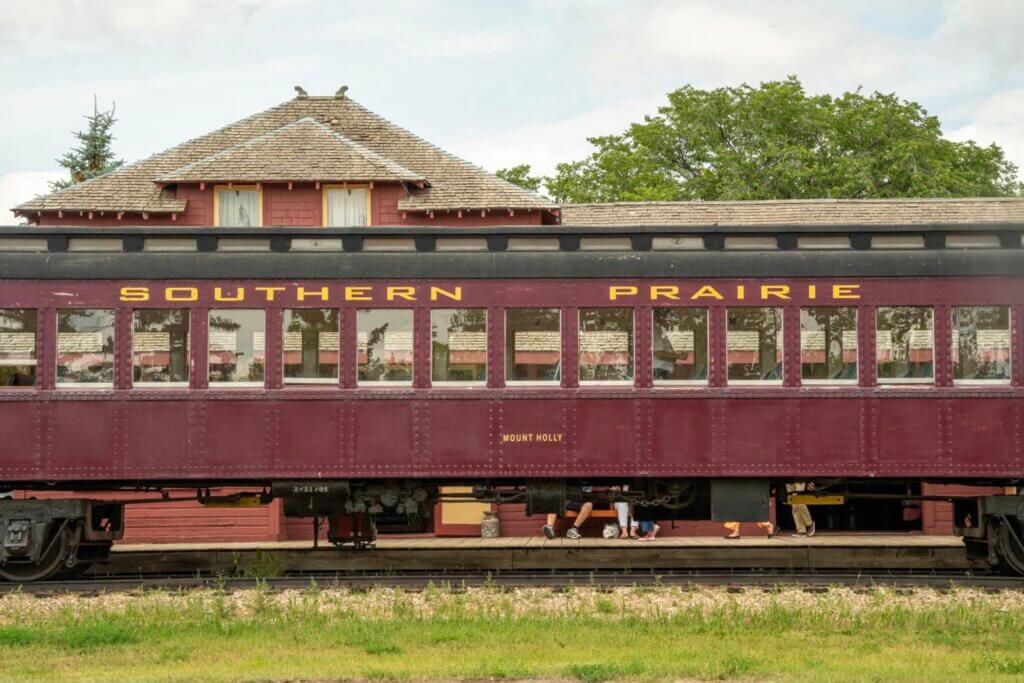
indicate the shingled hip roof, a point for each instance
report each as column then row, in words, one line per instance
column 799, row 212
column 366, row 145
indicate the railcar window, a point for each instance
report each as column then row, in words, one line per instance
column 981, row 343
column 85, row 347
column 237, row 345
column 533, row 345
column 310, row 346
column 17, row 347
column 606, row 345
column 905, row 344
column 680, row 342
column 384, row 339
column 754, row 345
column 828, row 344
column 458, row 345
column 239, row 207
column 160, row 347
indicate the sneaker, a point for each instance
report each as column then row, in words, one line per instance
column 573, row 533
column 549, row 531
column 799, row 534
column 811, row 529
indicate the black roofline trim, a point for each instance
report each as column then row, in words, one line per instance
column 511, row 265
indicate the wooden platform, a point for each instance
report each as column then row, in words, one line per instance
column 845, row 551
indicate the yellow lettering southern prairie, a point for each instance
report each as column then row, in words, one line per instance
column 218, row 294
column 436, row 293
column 615, row 291
column 778, row 291
column 664, row 292
column 845, row 291
column 271, row 292
column 181, row 294
column 741, row 291
column 707, row 292
column 357, row 294
column 302, row 293
column 135, row 294
column 812, row 291
column 406, row 293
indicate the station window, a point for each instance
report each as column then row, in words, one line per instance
column 754, row 345
column 237, row 346
column 384, row 339
column 310, row 346
column 828, row 344
column 17, row 347
column 606, row 344
column 160, row 347
column 238, row 206
column 981, row 343
column 458, row 345
column 680, row 339
column 85, row 347
column 905, row 344
column 533, row 345
column 346, row 206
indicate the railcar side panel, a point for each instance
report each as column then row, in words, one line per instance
column 158, row 437
column 456, row 437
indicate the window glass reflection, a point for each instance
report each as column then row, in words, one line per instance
column 237, row 346
column 754, row 344
column 310, row 346
column 384, row 340
column 160, row 346
column 458, row 345
column 533, row 345
column 85, row 347
column 680, row 342
column 981, row 343
column 17, row 347
column 606, row 344
column 828, row 343
column 905, row 343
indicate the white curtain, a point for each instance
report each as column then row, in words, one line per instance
column 239, row 208
column 346, row 208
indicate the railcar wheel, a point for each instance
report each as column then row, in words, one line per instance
column 1010, row 548
column 48, row 565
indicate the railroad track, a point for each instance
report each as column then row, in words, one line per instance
column 733, row 580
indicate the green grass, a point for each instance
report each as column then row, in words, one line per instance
column 584, row 635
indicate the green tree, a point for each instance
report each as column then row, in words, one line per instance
column 92, row 156
column 777, row 142
column 520, row 175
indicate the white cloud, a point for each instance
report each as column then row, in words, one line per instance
column 999, row 119
column 19, row 187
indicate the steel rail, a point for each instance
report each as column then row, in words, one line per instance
column 604, row 580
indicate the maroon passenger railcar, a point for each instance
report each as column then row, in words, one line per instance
column 354, row 372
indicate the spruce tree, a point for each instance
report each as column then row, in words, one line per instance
column 92, row 156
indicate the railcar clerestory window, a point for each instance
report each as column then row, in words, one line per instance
column 905, row 344
column 828, row 344
column 160, row 347
column 85, row 347
column 754, row 345
column 533, row 345
column 606, row 345
column 458, row 343
column 981, row 343
column 384, row 346
column 17, row 347
column 237, row 345
column 310, row 346
column 680, row 345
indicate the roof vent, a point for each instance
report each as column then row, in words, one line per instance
column 340, row 93
column 302, row 94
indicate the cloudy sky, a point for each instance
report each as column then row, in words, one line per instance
column 497, row 82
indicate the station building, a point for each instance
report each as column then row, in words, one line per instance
column 328, row 161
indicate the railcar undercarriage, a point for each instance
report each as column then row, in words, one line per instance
column 54, row 537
